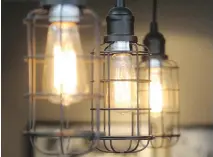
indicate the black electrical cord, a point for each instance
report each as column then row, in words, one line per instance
column 120, row 3
column 154, row 13
column 154, row 24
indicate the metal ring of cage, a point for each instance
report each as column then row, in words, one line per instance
column 32, row 60
column 170, row 135
column 166, row 141
column 135, row 144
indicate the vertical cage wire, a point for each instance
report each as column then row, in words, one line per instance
column 137, row 124
column 165, row 125
column 37, row 25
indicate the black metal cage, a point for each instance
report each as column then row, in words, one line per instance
column 43, row 73
column 163, row 92
column 120, row 113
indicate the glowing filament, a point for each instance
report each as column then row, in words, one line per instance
column 65, row 71
column 156, row 94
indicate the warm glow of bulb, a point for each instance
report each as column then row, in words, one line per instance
column 65, row 71
column 156, row 94
column 65, row 74
column 122, row 94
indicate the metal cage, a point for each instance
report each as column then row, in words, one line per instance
column 163, row 92
column 137, row 126
column 37, row 22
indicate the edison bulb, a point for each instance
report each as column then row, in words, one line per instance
column 65, row 74
column 122, row 94
column 155, row 87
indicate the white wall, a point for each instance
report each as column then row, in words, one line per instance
column 194, row 143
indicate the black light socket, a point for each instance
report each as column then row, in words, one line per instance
column 120, row 24
column 155, row 41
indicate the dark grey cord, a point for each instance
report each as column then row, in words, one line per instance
column 154, row 11
column 120, row 3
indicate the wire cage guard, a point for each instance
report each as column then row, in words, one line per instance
column 38, row 24
column 163, row 89
column 139, row 125
column 163, row 94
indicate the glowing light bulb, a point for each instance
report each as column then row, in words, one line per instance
column 156, row 94
column 122, row 89
column 122, row 71
column 65, row 61
column 65, row 74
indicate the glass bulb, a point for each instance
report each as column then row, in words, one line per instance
column 65, row 74
column 156, row 94
column 122, row 93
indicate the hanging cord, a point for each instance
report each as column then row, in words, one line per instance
column 120, row 3
column 154, row 24
column 154, row 11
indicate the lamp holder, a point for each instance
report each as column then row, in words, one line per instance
column 155, row 40
column 48, row 3
column 120, row 24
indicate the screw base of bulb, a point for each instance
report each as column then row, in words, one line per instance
column 80, row 3
column 114, row 38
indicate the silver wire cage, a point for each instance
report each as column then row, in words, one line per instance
column 37, row 22
column 163, row 92
column 125, row 129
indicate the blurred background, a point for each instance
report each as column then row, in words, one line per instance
column 188, row 29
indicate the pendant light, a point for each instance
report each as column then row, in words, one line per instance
column 121, row 85
column 163, row 89
column 64, row 72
